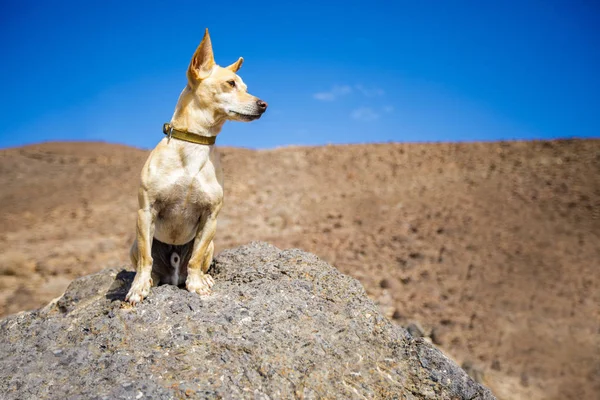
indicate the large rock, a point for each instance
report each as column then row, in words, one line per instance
column 279, row 324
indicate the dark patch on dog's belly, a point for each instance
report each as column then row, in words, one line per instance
column 161, row 265
column 177, row 222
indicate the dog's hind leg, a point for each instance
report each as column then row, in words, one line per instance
column 133, row 253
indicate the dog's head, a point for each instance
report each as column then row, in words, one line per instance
column 221, row 89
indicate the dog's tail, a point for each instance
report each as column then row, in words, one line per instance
column 175, row 260
column 170, row 261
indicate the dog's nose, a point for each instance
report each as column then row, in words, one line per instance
column 262, row 105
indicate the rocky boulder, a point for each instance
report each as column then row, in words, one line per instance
column 279, row 324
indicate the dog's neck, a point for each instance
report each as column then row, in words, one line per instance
column 193, row 116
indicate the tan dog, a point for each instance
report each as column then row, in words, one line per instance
column 181, row 191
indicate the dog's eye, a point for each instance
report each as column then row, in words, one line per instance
column 231, row 83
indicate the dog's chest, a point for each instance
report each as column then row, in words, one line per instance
column 185, row 190
column 193, row 185
column 187, row 179
column 192, row 191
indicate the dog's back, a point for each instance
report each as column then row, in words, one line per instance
column 170, row 262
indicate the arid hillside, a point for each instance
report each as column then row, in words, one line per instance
column 492, row 250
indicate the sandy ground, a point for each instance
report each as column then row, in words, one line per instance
column 492, row 250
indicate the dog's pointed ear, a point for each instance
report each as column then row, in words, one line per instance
column 236, row 65
column 203, row 60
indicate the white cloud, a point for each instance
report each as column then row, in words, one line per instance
column 364, row 114
column 335, row 92
column 342, row 90
column 369, row 91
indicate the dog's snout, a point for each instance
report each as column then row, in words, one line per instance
column 262, row 105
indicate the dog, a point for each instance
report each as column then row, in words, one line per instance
column 181, row 189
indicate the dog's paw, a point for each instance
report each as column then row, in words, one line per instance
column 140, row 288
column 199, row 284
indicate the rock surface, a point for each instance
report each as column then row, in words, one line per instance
column 279, row 324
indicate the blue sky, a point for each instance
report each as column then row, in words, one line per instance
column 332, row 72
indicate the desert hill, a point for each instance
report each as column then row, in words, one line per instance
column 490, row 249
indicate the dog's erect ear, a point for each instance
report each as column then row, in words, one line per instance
column 236, row 65
column 203, row 60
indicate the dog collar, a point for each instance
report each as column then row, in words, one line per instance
column 187, row 136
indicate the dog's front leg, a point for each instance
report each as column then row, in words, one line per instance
column 198, row 280
column 140, row 288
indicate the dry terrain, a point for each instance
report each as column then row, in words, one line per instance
column 492, row 250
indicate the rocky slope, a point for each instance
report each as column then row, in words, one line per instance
column 490, row 249
column 279, row 324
